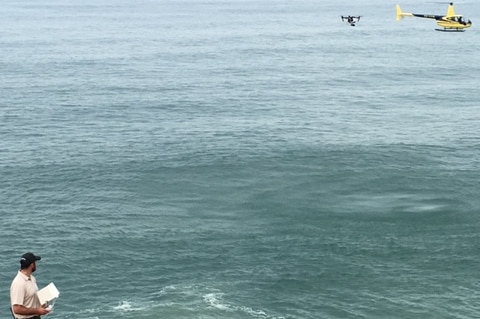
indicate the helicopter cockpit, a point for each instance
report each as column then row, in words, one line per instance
column 465, row 21
column 462, row 20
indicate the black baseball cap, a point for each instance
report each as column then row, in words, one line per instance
column 29, row 258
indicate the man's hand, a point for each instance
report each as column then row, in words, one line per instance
column 42, row 311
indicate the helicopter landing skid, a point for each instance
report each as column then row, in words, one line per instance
column 450, row 30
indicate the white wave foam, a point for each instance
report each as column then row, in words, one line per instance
column 213, row 299
column 126, row 306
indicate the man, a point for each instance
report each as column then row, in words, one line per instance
column 23, row 291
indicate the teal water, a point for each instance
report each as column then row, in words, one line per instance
column 241, row 159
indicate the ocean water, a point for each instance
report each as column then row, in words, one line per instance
column 241, row 159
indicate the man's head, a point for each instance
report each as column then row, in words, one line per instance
column 27, row 260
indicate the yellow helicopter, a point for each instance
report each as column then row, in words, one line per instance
column 449, row 22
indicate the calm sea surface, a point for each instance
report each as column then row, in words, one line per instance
column 241, row 159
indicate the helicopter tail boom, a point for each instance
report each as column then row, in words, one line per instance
column 401, row 14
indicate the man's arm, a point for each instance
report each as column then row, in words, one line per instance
column 22, row 310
